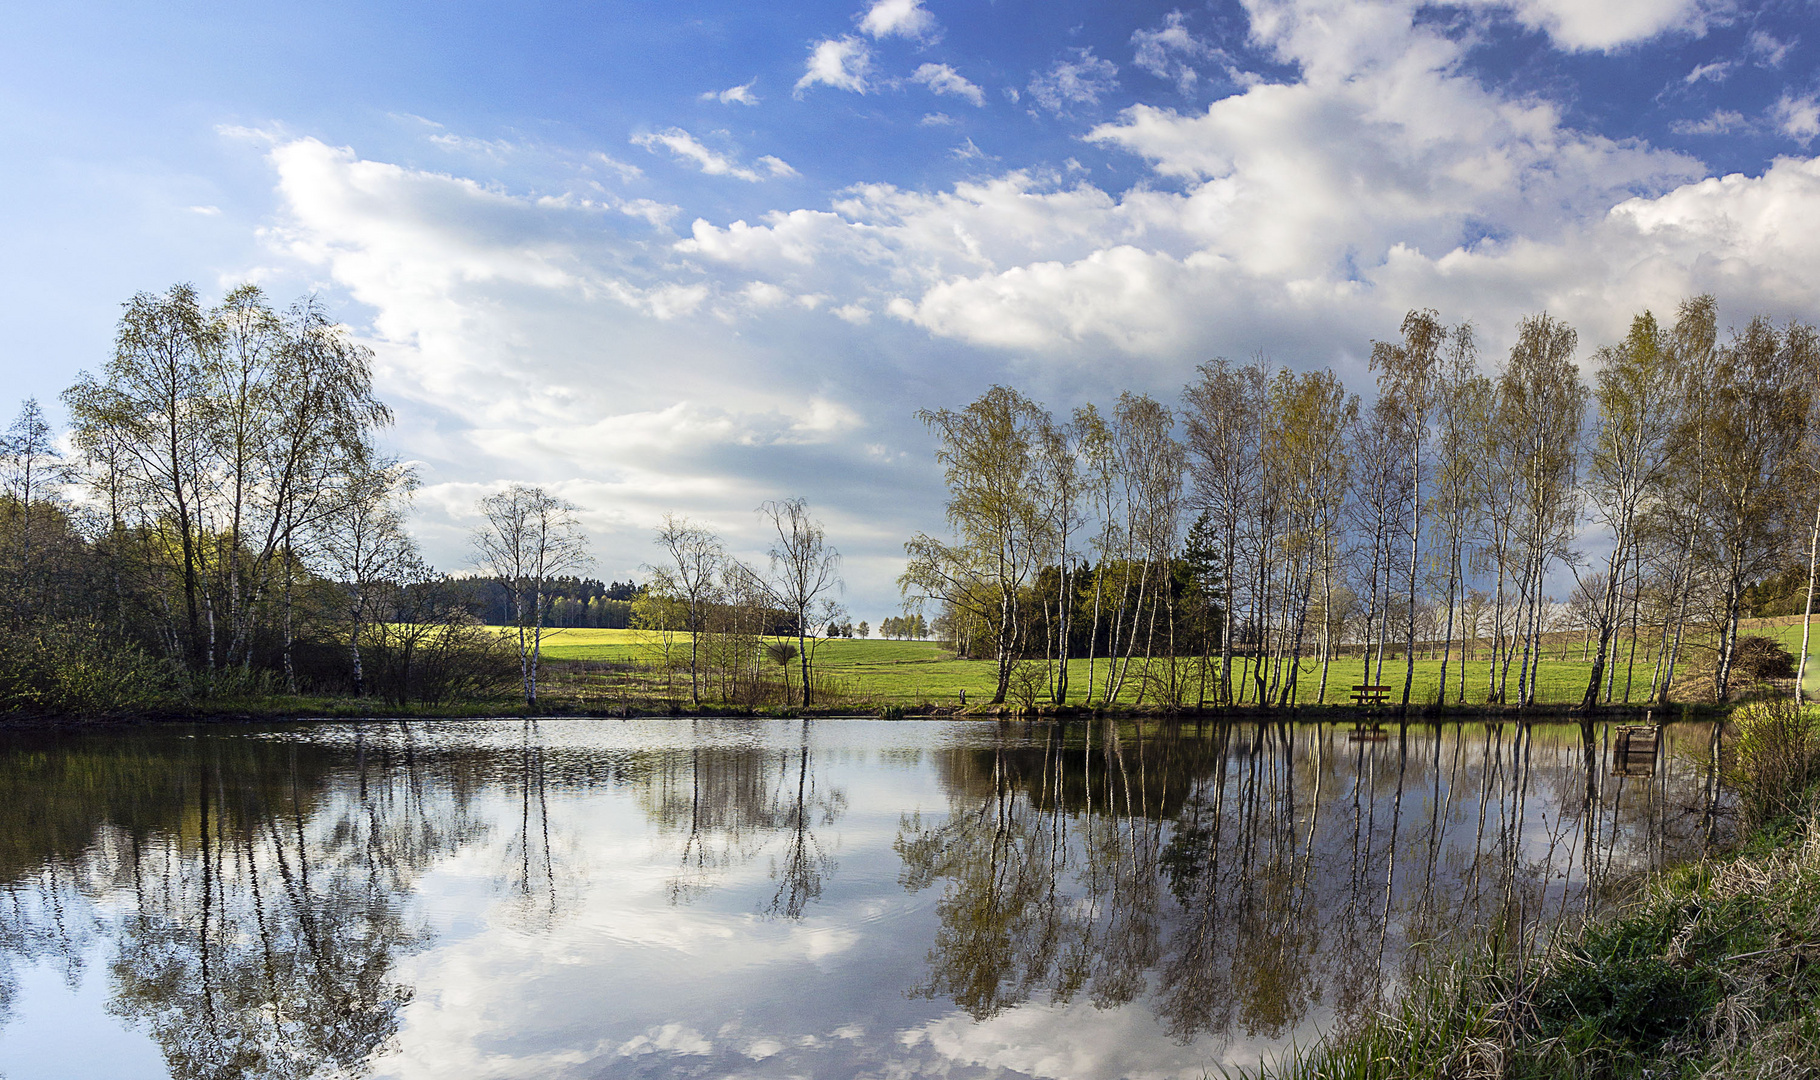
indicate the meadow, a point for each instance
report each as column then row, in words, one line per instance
column 607, row 664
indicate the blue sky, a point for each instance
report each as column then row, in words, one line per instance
column 691, row 257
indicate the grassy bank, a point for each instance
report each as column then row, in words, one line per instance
column 621, row 672
column 1709, row 970
column 628, row 665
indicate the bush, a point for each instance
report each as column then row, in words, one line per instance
column 1775, row 759
column 60, row 669
column 432, row 664
column 1757, row 659
column 1029, row 684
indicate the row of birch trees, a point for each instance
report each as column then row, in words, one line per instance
column 1273, row 525
column 221, row 520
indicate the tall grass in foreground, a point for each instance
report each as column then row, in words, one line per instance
column 1712, row 970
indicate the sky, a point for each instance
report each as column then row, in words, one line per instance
column 686, row 258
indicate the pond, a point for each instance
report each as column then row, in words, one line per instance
column 824, row 898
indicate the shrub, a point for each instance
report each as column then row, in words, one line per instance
column 1029, row 683
column 74, row 670
column 1775, row 759
column 1757, row 658
column 435, row 663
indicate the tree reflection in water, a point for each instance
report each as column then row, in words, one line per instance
column 253, row 893
column 252, row 890
column 729, row 803
column 1251, row 878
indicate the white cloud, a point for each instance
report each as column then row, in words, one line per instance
column 1718, row 122
column 942, row 79
column 777, row 166
column 206, row 211
column 1078, row 79
column 844, row 63
column 1607, row 25
column 1716, row 71
column 549, row 340
column 968, row 151
column 1169, row 50
column 667, row 1038
column 1769, row 51
column 626, row 171
column 733, row 95
column 491, row 149
column 938, row 119
column 1797, row 117
column 686, row 147
column 906, row 18
column 657, row 213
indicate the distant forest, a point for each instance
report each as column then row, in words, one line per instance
column 573, row 601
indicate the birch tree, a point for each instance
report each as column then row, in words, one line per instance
column 1541, row 409
column 693, row 562
column 1626, row 466
column 1750, row 427
column 805, row 575
column 1462, row 409
column 1407, row 375
column 988, row 456
column 1223, row 420
column 1063, row 486
column 362, row 546
column 528, row 536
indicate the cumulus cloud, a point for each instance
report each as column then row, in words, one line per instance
column 686, row 147
column 733, row 95
column 1611, row 24
column 1797, row 117
column 1077, row 79
column 905, row 18
column 1169, row 51
column 844, row 63
column 942, row 79
column 1304, row 215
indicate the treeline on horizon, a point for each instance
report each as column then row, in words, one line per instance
column 1273, row 524
column 227, row 525
column 573, row 601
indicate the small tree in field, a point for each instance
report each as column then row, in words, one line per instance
column 694, row 562
column 529, row 536
column 805, row 571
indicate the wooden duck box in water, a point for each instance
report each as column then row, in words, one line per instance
column 1633, row 751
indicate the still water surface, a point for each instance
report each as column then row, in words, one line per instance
column 827, row 898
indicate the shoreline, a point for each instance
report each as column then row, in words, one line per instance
column 1377, row 717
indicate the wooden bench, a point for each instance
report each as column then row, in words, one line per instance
column 1364, row 694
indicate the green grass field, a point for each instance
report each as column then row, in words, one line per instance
column 880, row 672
